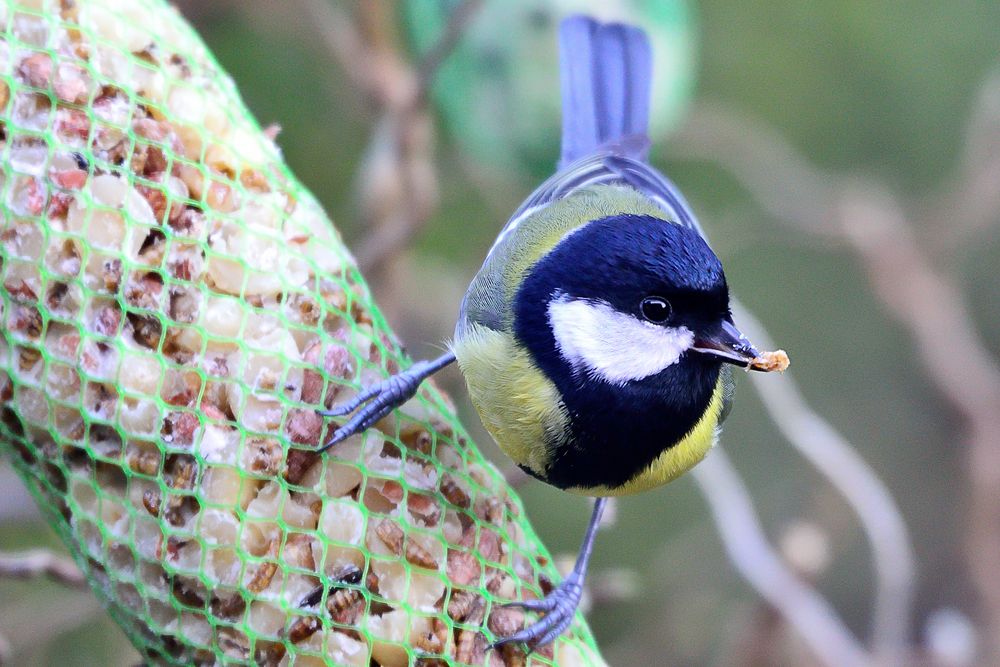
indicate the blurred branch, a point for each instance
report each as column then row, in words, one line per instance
column 368, row 59
column 397, row 180
column 929, row 303
column 800, row 194
column 453, row 31
column 803, row 607
column 839, row 461
column 925, row 298
column 39, row 563
column 973, row 201
column 398, row 187
column 762, row 161
column 343, row 39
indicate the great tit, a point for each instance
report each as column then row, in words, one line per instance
column 596, row 340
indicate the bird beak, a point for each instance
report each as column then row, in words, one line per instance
column 729, row 344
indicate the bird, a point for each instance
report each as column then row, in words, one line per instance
column 596, row 341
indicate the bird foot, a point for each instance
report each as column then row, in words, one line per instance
column 377, row 400
column 559, row 607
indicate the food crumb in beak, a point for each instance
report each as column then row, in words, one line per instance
column 770, row 361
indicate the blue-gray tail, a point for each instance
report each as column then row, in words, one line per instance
column 606, row 72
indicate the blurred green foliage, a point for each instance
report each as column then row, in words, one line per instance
column 495, row 93
column 867, row 88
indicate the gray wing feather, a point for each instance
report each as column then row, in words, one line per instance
column 610, row 168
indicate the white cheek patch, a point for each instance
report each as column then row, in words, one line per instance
column 604, row 343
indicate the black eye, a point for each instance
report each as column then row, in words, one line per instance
column 655, row 309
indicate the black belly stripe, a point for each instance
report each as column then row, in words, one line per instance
column 618, row 432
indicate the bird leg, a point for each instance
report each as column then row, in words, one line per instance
column 382, row 398
column 560, row 604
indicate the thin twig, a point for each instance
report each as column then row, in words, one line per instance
column 792, row 190
column 762, row 161
column 41, row 562
column 803, row 608
column 343, row 39
column 839, row 461
column 406, row 138
column 924, row 297
column 932, row 307
column 397, row 180
column 972, row 203
column 458, row 21
column 398, row 187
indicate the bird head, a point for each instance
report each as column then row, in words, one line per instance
column 630, row 299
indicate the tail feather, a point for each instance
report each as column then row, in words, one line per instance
column 606, row 75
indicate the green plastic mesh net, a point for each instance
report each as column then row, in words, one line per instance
column 175, row 306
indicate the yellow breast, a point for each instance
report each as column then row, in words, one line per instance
column 522, row 410
column 518, row 405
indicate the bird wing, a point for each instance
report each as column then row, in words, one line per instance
column 607, row 168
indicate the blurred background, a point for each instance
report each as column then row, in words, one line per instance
column 844, row 159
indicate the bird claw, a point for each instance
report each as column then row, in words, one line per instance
column 353, row 404
column 377, row 401
column 559, row 606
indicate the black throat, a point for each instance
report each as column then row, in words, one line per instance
column 615, row 431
